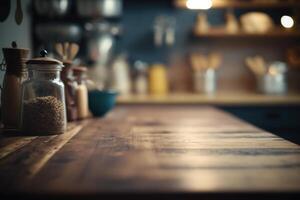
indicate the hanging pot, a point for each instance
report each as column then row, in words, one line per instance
column 99, row 8
column 52, row 8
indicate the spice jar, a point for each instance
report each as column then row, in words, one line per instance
column 158, row 80
column 141, row 79
column 43, row 97
column 70, row 90
column 81, row 92
column 16, row 74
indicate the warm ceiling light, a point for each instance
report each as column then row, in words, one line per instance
column 287, row 21
column 199, row 4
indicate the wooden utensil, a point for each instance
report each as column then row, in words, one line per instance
column 59, row 50
column 251, row 65
column 260, row 64
column 66, row 50
column 204, row 61
column 19, row 13
column 214, row 60
column 256, row 65
column 198, row 62
column 72, row 51
column 195, row 62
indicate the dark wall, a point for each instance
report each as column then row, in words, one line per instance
column 138, row 18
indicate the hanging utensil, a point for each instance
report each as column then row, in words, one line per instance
column 170, row 31
column 4, row 9
column 52, row 8
column 19, row 13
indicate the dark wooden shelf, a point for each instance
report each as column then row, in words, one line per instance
column 246, row 5
column 221, row 33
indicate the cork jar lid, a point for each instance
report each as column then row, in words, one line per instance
column 67, row 63
column 79, row 70
column 44, row 60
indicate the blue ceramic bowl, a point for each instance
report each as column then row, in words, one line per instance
column 100, row 102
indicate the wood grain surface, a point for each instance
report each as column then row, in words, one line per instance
column 170, row 151
column 220, row 98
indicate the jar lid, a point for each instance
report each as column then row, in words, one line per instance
column 15, row 59
column 14, row 48
column 67, row 63
column 44, row 60
column 79, row 70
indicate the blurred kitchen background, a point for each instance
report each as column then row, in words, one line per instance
column 240, row 55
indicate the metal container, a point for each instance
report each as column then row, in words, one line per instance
column 99, row 8
column 272, row 84
column 274, row 81
column 205, row 81
column 55, row 32
column 101, row 41
column 52, row 8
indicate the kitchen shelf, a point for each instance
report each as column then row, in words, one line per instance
column 234, row 98
column 221, row 33
column 245, row 4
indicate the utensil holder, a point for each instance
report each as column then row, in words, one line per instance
column 205, row 81
column 272, row 84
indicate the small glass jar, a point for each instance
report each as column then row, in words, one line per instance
column 70, row 91
column 81, row 92
column 158, row 80
column 141, row 77
column 43, row 98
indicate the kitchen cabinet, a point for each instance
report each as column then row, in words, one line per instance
column 282, row 120
column 152, row 152
column 277, row 114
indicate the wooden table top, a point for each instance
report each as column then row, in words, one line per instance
column 169, row 151
column 220, row 98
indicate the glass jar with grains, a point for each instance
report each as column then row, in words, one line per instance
column 43, row 97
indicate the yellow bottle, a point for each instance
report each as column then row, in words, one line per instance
column 158, row 81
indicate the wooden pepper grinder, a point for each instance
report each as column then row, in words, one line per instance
column 16, row 74
column 67, row 53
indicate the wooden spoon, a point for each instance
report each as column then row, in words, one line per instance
column 72, row 51
column 203, row 62
column 261, row 64
column 65, row 50
column 19, row 13
column 59, row 50
column 214, row 60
